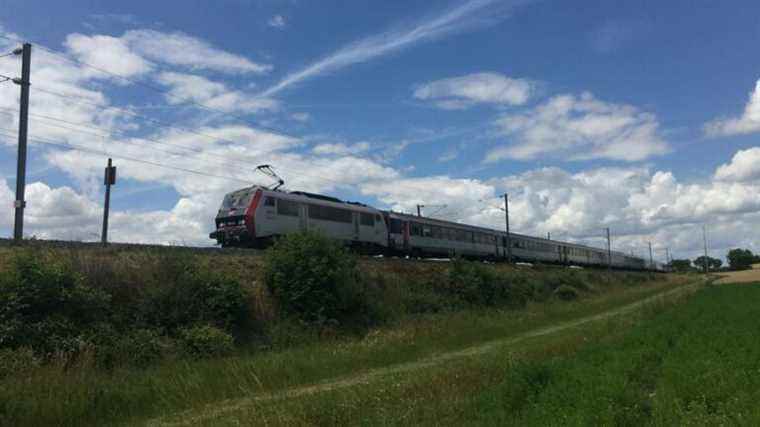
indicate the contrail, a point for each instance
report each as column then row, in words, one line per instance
column 457, row 18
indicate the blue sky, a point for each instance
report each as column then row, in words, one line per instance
column 635, row 115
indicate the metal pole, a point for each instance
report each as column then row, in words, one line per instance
column 704, row 239
column 108, row 180
column 23, row 126
column 548, row 235
column 419, row 211
column 506, row 217
column 609, row 249
column 651, row 260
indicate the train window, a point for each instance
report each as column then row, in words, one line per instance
column 377, row 218
column 437, row 232
column 427, row 231
column 396, row 226
column 366, row 219
column 268, row 201
column 416, row 229
column 329, row 213
column 287, row 207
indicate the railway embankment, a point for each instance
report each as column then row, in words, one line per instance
column 134, row 331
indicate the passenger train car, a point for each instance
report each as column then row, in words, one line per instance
column 253, row 217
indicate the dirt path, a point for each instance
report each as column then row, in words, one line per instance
column 217, row 409
column 745, row 276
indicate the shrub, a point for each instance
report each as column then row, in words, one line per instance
column 184, row 294
column 140, row 348
column 566, row 293
column 46, row 305
column 205, row 341
column 17, row 361
column 479, row 285
column 313, row 278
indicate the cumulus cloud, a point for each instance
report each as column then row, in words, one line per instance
column 109, row 53
column 469, row 13
column 341, row 149
column 479, row 88
column 748, row 122
column 184, row 50
column 190, row 87
column 744, row 166
column 580, row 128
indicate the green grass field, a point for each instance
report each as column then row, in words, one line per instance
column 71, row 394
column 690, row 362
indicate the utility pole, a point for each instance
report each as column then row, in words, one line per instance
column 23, row 126
column 548, row 235
column 419, row 210
column 506, row 217
column 609, row 249
column 667, row 256
column 109, row 180
column 651, row 260
column 704, row 240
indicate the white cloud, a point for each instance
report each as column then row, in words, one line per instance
column 744, row 166
column 470, row 13
column 277, row 21
column 580, row 128
column 461, row 196
column 108, row 53
column 341, row 149
column 183, row 50
column 749, row 122
column 465, row 91
column 215, row 95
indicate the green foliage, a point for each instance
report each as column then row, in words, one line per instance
column 479, row 285
column 711, row 263
column 740, row 259
column 205, row 341
column 183, row 294
column 681, row 265
column 566, row 293
column 17, row 361
column 46, row 305
column 313, row 278
column 52, row 309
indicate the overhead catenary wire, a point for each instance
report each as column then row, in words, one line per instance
column 75, row 147
column 160, row 123
column 67, row 57
column 229, row 160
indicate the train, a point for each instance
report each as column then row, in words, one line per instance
column 256, row 216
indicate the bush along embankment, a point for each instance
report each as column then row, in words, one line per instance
column 138, row 308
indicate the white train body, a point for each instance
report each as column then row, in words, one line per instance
column 255, row 216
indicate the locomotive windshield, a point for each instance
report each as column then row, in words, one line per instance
column 238, row 199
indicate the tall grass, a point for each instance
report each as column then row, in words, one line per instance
column 159, row 310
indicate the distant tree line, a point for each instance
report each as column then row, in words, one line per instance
column 738, row 259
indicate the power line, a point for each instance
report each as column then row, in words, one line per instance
column 122, row 157
column 180, row 128
column 66, row 57
column 130, row 139
column 85, row 101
